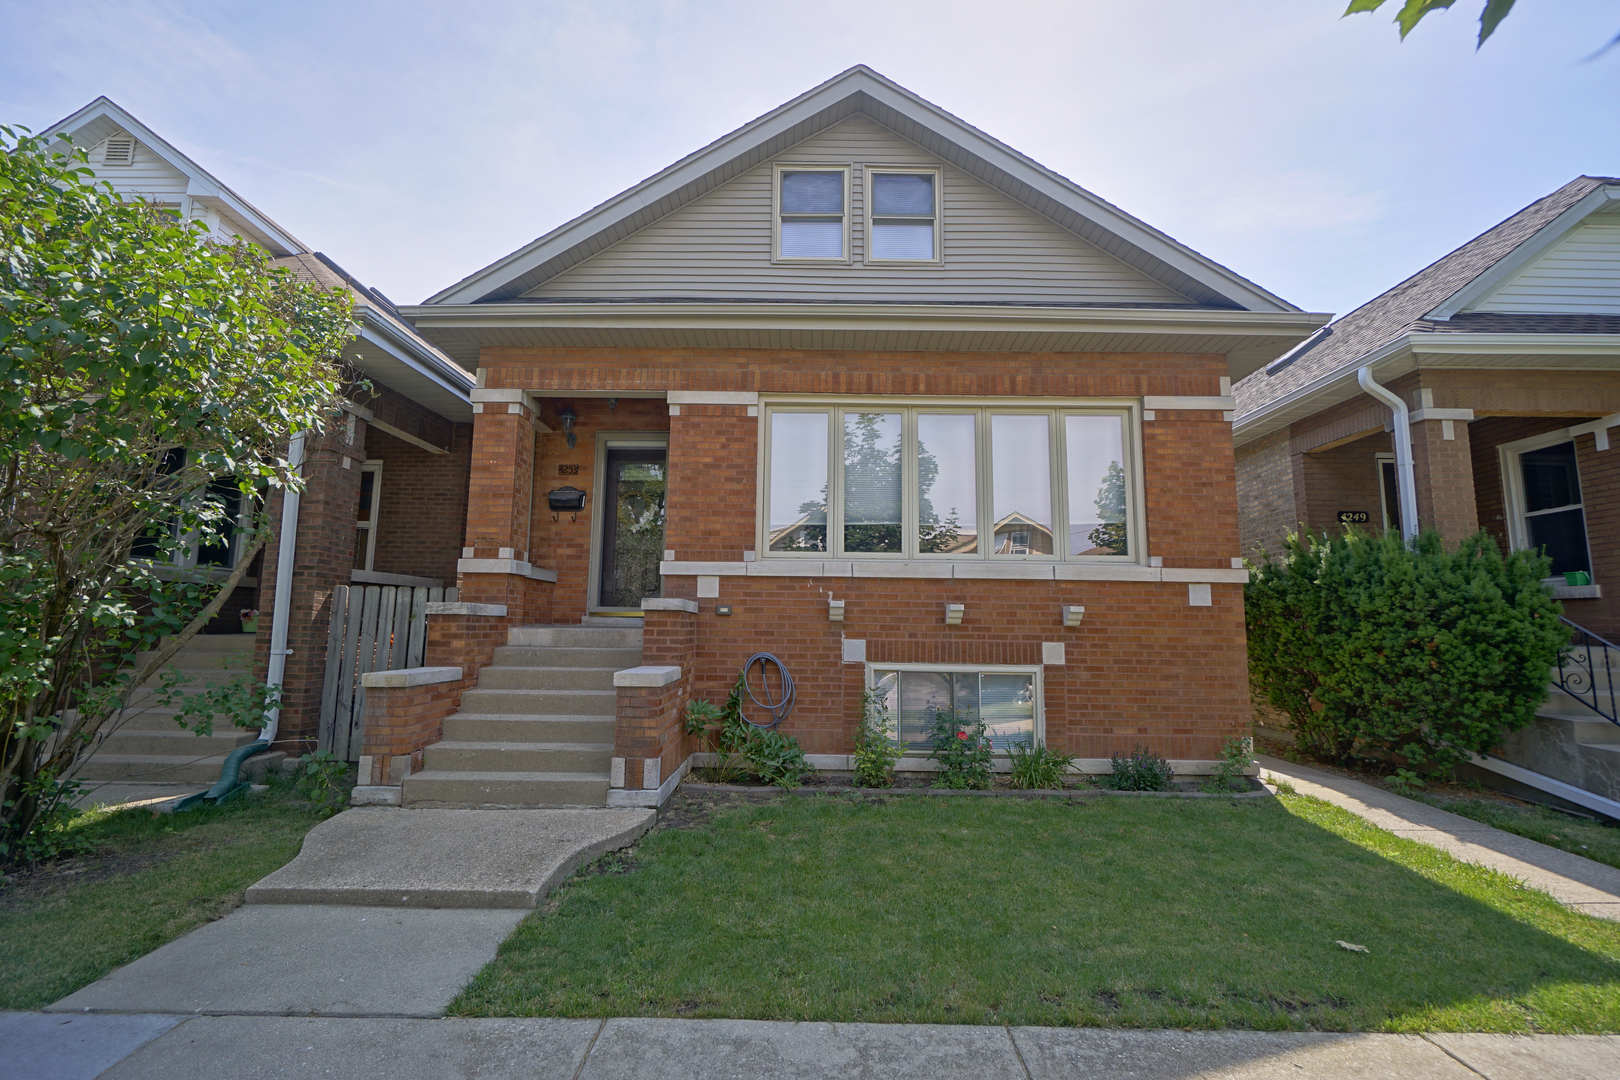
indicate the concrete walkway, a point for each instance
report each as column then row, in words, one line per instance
column 157, row 1047
column 1582, row 884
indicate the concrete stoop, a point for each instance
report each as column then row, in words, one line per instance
column 537, row 730
column 146, row 746
column 1568, row 741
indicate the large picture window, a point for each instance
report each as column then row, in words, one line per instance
column 935, row 481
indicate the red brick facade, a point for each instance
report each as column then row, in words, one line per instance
column 1144, row 667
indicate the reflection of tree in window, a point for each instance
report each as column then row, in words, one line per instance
column 638, row 535
column 1110, row 535
column 872, row 470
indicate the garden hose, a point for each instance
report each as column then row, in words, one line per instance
column 778, row 707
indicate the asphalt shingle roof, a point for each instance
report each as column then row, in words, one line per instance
column 1402, row 309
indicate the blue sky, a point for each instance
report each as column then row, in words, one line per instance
column 416, row 142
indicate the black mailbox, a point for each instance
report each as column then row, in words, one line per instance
column 565, row 500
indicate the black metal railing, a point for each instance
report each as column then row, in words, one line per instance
column 1586, row 671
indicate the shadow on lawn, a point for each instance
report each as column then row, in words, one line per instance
column 1116, row 913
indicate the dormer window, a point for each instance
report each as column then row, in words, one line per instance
column 811, row 213
column 118, row 150
column 903, row 215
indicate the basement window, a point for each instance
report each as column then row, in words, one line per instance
column 1007, row 700
column 811, row 218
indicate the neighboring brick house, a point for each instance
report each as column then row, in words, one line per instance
column 795, row 375
column 385, row 489
column 1505, row 357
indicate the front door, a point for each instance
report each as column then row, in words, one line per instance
column 632, row 526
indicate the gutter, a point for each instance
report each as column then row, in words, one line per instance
column 281, row 616
column 1404, row 483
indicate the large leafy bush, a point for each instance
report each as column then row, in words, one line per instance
column 1373, row 646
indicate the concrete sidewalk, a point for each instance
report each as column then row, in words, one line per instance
column 1582, row 884
column 248, row 1047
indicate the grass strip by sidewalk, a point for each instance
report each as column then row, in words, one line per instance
column 146, row 880
column 1113, row 912
column 1589, row 839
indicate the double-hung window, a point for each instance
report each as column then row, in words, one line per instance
column 812, row 220
column 1546, row 511
column 930, row 481
column 902, row 215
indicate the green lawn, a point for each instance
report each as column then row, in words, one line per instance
column 1125, row 912
column 147, row 879
column 1591, row 839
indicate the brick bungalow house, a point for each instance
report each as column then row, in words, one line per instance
column 1480, row 393
column 795, row 378
column 403, row 448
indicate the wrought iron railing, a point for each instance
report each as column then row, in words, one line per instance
column 1586, row 671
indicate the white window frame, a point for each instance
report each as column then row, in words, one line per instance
column 776, row 215
column 984, row 409
column 1518, row 528
column 868, row 175
column 185, row 564
column 1035, row 670
column 1380, row 459
column 375, row 467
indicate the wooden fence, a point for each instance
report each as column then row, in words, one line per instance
column 374, row 628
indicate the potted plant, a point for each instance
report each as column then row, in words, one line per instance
column 250, row 620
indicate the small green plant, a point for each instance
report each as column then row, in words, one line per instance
column 1404, row 782
column 876, row 751
column 50, row 838
column 1037, row 767
column 323, row 779
column 1140, row 770
column 1232, row 771
column 741, row 749
column 962, row 750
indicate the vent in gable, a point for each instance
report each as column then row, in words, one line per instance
column 118, row 150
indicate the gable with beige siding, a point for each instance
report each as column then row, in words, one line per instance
column 994, row 249
column 1578, row 275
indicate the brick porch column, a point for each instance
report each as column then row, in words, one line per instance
column 322, row 559
column 1443, row 473
column 495, row 566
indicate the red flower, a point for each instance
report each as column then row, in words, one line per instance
column 961, row 735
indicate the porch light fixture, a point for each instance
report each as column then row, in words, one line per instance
column 953, row 614
column 1073, row 613
column 568, row 416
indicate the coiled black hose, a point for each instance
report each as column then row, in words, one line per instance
column 779, row 707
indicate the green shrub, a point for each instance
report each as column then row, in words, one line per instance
column 323, row 778
column 1037, row 767
column 1232, row 771
column 876, row 751
column 1140, row 770
column 1371, row 646
column 963, row 752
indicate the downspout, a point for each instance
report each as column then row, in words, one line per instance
column 1405, row 485
column 281, row 615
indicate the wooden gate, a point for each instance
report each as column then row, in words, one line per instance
column 374, row 628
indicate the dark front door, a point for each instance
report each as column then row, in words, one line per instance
column 632, row 526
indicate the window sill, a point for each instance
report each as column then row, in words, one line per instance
column 1020, row 571
column 1560, row 591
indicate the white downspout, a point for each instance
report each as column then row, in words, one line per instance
column 281, row 615
column 1405, row 485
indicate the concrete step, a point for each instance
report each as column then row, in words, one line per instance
column 601, row 637
column 485, row 727
column 164, row 769
column 591, row 758
column 501, row 677
column 540, row 702
column 175, row 742
column 432, row 787
column 566, row 656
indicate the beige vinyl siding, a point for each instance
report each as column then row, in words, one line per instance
column 994, row 248
column 148, row 176
column 1579, row 275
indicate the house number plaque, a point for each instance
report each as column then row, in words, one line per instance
column 1354, row 517
column 568, row 470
